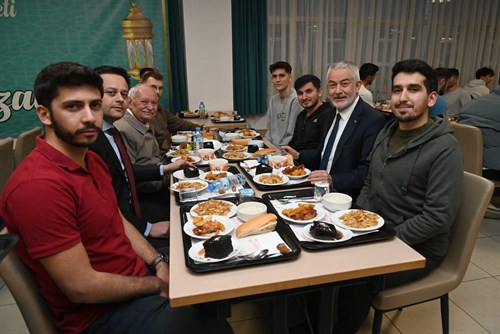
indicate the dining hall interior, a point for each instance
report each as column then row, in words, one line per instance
column 311, row 35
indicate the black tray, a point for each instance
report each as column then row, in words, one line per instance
column 231, row 169
column 384, row 233
column 248, row 176
column 282, row 228
column 238, row 120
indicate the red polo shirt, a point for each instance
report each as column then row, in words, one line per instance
column 53, row 204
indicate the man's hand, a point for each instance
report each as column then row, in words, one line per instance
column 162, row 272
column 160, row 229
column 320, row 175
column 178, row 164
column 290, row 151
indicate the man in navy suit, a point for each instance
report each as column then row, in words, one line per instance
column 152, row 222
column 342, row 159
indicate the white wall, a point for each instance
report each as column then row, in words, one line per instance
column 207, row 26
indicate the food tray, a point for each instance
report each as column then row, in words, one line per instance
column 230, row 168
column 269, row 188
column 183, row 115
column 384, row 233
column 282, row 228
column 238, row 120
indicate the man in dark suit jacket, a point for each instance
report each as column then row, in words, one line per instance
column 342, row 159
column 152, row 221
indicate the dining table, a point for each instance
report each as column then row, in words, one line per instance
column 322, row 270
column 213, row 123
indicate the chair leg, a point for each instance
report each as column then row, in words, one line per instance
column 377, row 322
column 445, row 313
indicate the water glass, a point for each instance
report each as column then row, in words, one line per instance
column 188, row 195
column 320, row 189
column 246, row 195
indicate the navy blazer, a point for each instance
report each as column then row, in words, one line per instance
column 120, row 182
column 350, row 162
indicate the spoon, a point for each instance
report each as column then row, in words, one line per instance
column 257, row 255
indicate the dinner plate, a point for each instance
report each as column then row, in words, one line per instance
column 179, row 174
column 194, row 252
column 176, row 184
column 291, row 177
column 224, row 148
column 231, row 212
column 228, row 227
column 320, row 212
column 247, row 156
column 284, row 178
column 217, row 144
column 254, row 134
column 202, row 177
column 346, row 235
column 191, row 158
column 335, row 218
column 173, row 154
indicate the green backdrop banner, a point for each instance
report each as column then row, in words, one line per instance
column 35, row 33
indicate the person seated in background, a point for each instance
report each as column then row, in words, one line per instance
column 342, row 159
column 89, row 262
column 367, row 74
column 313, row 120
column 484, row 113
column 164, row 124
column 455, row 96
column 479, row 87
column 414, row 182
column 283, row 107
column 439, row 108
column 114, row 104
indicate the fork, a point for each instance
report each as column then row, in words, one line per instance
column 297, row 199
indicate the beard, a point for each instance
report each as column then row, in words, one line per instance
column 342, row 105
column 71, row 137
column 408, row 117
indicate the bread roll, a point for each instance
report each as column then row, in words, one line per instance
column 264, row 151
column 257, row 225
column 241, row 141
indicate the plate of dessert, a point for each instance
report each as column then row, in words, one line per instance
column 181, row 185
column 296, row 172
column 213, row 176
column 216, row 249
column 270, row 179
column 187, row 173
column 357, row 220
column 205, row 227
column 214, row 207
column 301, row 213
column 325, row 232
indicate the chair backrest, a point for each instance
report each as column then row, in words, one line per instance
column 6, row 161
column 476, row 196
column 25, row 143
column 470, row 139
column 19, row 279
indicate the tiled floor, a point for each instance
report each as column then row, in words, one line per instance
column 474, row 305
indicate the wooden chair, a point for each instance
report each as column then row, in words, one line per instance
column 448, row 275
column 25, row 143
column 6, row 161
column 470, row 139
column 23, row 288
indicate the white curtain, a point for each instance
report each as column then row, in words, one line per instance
column 312, row 34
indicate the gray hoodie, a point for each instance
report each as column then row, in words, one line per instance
column 477, row 88
column 417, row 189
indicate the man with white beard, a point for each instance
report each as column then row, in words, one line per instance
column 342, row 160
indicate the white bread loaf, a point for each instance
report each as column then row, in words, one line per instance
column 257, row 225
column 264, row 151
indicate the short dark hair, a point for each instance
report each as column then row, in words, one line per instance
column 106, row 69
column 148, row 72
column 454, row 72
column 305, row 79
column 63, row 74
column 420, row 66
column 280, row 64
column 367, row 69
column 443, row 73
column 484, row 71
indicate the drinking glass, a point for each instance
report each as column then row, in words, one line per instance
column 320, row 189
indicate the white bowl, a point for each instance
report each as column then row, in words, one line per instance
column 259, row 143
column 179, row 139
column 249, row 210
column 336, row 201
column 231, row 135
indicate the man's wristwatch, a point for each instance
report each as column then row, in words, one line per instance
column 157, row 260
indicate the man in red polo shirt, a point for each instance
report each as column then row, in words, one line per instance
column 88, row 260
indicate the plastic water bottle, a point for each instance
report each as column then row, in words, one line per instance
column 198, row 139
column 226, row 183
column 376, row 97
column 202, row 110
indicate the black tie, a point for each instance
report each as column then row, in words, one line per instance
column 329, row 145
